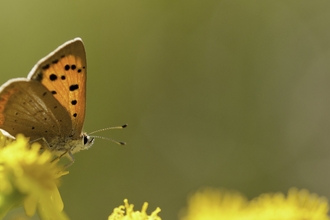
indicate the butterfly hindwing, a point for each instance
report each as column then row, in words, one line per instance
column 63, row 73
column 27, row 107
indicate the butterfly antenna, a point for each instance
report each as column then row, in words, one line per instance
column 109, row 128
column 109, row 139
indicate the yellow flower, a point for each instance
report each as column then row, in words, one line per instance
column 298, row 204
column 215, row 204
column 119, row 213
column 220, row 204
column 29, row 177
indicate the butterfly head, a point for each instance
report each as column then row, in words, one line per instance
column 88, row 141
column 83, row 143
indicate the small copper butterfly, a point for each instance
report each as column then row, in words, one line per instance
column 49, row 105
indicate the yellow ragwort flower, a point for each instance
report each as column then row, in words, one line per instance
column 298, row 204
column 215, row 204
column 218, row 204
column 126, row 212
column 29, row 177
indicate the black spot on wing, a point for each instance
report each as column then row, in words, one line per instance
column 74, row 87
column 53, row 77
column 45, row 67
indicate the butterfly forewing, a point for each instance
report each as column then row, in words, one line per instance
column 27, row 107
column 63, row 73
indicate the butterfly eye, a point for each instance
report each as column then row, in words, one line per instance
column 85, row 139
column 88, row 141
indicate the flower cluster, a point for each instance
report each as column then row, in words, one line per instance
column 218, row 204
column 28, row 177
column 126, row 212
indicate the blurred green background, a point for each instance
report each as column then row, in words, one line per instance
column 231, row 94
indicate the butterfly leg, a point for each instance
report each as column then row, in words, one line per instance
column 69, row 155
column 41, row 141
column 71, row 158
column 45, row 144
column 57, row 158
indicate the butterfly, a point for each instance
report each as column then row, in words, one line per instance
column 49, row 105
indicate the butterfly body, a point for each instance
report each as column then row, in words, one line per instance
column 49, row 105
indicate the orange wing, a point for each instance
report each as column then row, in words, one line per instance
column 63, row 73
